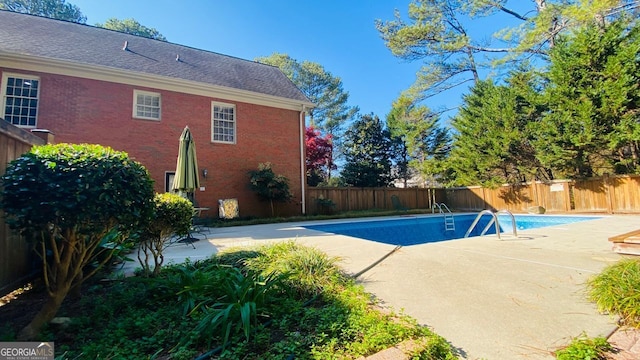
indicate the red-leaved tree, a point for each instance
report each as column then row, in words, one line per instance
column 319, row 156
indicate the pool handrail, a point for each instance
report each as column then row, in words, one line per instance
column 513, row 220
column 494, row 220
column 449, row 221
column 475, row 222
column 440, row 206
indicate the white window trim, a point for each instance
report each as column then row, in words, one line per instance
column 135, row 104
column 168, row 180
column 3, row 95
column 235, row 122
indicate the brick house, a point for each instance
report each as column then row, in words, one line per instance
column 91, row 85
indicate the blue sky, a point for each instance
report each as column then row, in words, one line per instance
column 339, row 35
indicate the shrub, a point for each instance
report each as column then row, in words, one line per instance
column 172, row 215
column 269, row 186
column 325, row 206
column 71, row 199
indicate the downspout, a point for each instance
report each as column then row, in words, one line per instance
column 303, row 175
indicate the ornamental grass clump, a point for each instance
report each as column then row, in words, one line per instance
column 616, row 290
column 311, row 270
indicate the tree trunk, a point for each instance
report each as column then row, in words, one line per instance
column 48, row 312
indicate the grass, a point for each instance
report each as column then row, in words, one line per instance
column 278, row 301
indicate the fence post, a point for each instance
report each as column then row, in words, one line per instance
column 484, row 199
column 608, row 193
column 567, row 196
column 384, row 200
column 348, row 200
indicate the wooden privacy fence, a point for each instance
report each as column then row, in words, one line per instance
column 16, row 259
column 353, row 199
column 617, row 194
column 609, row 194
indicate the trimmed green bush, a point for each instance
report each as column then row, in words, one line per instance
column 172, row 216
column 72, row 200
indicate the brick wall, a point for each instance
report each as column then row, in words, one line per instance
column 81, row 110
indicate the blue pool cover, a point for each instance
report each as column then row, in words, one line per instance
column 424, row 229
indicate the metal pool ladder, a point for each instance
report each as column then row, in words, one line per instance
column 449, row 221
column 493, row 221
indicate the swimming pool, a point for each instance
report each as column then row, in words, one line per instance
column 424, row 229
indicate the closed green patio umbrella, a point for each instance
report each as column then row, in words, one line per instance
column 186, row 180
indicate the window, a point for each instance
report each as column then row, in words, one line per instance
column 223, row 123
column 147, row 105
column 168, row 180
column 20, row 99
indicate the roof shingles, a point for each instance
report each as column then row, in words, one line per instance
column 83, row 44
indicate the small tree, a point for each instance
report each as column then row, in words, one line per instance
column 269, row 186
column 172, row 216
column 319, row 156
column 71, row 200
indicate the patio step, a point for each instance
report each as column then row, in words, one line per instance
column 627, row 243
column 626, row 248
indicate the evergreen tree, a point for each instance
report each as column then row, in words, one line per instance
column 420, row 142
column 492, row 144
column 367, row 153
column 593, row 126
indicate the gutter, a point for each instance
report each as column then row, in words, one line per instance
column 303, row 175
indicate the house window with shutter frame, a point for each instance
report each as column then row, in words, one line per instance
column 20, row 94
column 223, row 123
column 146, row 105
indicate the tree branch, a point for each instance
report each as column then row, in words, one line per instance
column 511, row 12
column 439, row 89
column 490, row 50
